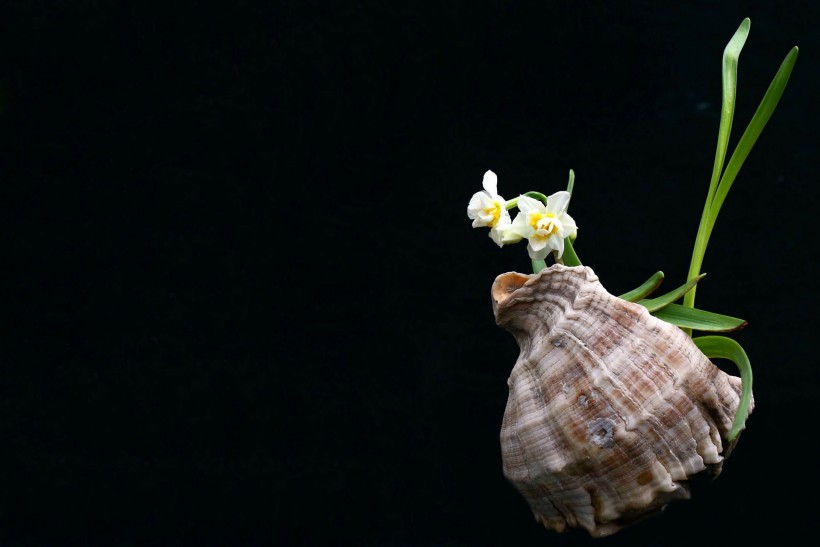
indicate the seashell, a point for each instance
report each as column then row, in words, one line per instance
column 610, row 410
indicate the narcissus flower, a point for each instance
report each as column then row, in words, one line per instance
column 487, row 208
column 544, row 226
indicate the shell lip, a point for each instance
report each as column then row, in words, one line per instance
column 506, row 285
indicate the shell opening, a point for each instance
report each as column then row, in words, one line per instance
column 506, row 284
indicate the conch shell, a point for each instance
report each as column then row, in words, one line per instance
column 610, row 410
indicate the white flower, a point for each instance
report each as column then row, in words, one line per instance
column 545, row 226
column 487, row 208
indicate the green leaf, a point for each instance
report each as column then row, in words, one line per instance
column 569, row 257
column 749, row 138
column 571, row 183
column 731, row 54
column 647, row 288
column 654, row 304
column 721, row 347
column 719, row 189
column 693, row 318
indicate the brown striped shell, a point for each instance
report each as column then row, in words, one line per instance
column 610, row 410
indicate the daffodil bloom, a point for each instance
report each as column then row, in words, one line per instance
column 487, row 208
column 544, row 226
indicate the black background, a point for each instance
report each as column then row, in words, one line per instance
column 244, row 304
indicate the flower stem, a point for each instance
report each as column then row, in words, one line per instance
column 534, row 195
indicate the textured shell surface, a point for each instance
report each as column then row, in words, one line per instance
column 610, row 410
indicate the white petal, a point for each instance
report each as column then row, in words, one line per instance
column 558, row 203
column 490, row 183
column 570, row 228
column 557, row 243
column 538, row 243
column 497, row 236
column 528, row 205
column 538, row 255
column 504, row 218
column 508, row 236
column 478, row 202
column 520, row 225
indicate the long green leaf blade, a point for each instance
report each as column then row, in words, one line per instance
column 749, row 138
column 721, row 347
column 731, row 54
column 647, row 288
column 654, row 304
column 693, row 318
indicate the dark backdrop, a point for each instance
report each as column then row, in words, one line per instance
column 243, row 302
